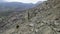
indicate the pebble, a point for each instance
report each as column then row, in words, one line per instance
column 36, row 30
column 31, row 24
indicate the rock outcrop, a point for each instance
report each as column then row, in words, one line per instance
column 43, row 19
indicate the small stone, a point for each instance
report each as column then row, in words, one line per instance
column 36, row 30
column 32, row 29
column 31, row 24
column 56, row 23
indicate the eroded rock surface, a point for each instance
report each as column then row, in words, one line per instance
column 43, row 19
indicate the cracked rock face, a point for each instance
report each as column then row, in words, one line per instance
column 43, row 19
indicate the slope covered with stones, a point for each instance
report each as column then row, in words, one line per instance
column 43, row 19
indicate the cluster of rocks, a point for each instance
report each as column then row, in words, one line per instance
column 43, row 19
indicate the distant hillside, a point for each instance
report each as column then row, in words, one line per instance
column 7, row 8
column 14, row 6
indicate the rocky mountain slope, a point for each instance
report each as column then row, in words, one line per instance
column 43, row 19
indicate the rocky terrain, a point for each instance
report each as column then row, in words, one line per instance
column 43, row 19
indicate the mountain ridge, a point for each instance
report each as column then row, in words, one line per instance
column 14, row 6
